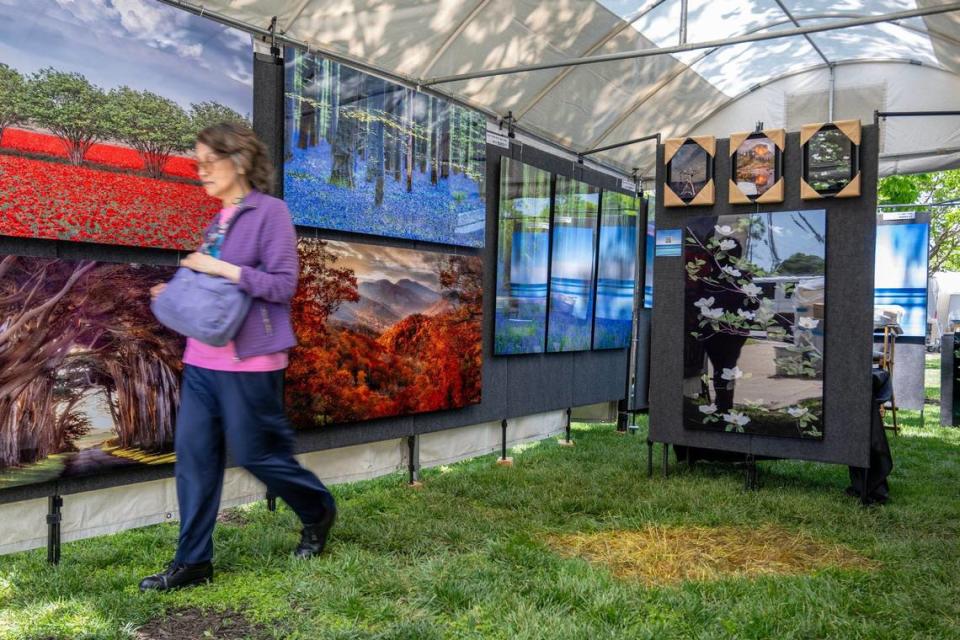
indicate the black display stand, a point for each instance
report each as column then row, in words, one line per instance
column 848, row 350
column 955, row 371
column 870, row 483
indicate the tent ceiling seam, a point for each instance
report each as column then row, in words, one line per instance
column 613, row 33
column 296, row 15
column 453, row 36
column 809, row 39
column 817, row 67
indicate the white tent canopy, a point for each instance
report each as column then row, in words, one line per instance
column 910, row 64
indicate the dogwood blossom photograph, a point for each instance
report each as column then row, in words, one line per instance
column 755, row 323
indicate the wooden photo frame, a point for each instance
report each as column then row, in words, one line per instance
column 831, row 160
column 689, row 171
column 756, row 166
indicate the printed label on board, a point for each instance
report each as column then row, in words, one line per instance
column 628, row 185
column 498, row 139
column 668, row 242
column 898, row 215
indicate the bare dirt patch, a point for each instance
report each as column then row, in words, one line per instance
column 233, row 516
column 669, row 555
column 195, row 624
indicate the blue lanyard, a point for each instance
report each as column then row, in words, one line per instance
column 214, row 240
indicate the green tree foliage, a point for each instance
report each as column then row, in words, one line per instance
column 923, row 189
column 802, row 264
column 206, row 114
column 153, row 125
column 12, row 99
column 69, row 106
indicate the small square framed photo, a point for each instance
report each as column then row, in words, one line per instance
column 689, row 166
column 831, row 160
column 756, row 166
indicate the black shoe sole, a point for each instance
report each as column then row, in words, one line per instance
column 185, row 585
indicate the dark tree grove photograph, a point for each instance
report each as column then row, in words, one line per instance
column 88, row 379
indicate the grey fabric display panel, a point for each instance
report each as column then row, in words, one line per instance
column 908, row 374
column 947, row 374
column 640, row 396
column 513, row 386
column 849, row 340
column 545, row 381
column 267, row 101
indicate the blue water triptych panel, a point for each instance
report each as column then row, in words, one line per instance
column 574, row 237
column 368, row 156
column 616, row 270
column 900, row 281
column 523, row 246
column 566, row 263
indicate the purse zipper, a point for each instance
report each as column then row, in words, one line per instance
column 266, row 320
column 263, row 310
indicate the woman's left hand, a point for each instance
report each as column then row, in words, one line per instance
column 204, row 263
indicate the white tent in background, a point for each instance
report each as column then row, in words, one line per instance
column 907, row 64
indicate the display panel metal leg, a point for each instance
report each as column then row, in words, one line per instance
column 864, row 494
column 413, row 462
column 751, row 480
column 632, row 427
column 568, row 442
column 666, row 459
column 504, row 461
column 649, row 458
column 54, row 518
column 271, row 502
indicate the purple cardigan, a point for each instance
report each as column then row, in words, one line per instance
column 263, row 242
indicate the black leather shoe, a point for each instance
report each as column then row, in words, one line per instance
column 313, row 538
column 177, row 576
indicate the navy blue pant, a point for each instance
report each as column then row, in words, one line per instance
column 242, row 412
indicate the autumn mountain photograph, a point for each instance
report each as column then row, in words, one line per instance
column 383, row 332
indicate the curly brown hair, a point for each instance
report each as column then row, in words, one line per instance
column 238, row 142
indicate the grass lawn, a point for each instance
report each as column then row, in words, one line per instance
column 469, row 556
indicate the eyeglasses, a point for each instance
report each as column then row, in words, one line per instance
column 206, row 165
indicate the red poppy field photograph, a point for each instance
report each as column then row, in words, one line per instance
column 96, row 147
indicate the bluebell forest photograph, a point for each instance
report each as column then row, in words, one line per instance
column 368, row 156
column 570, row 319
column 900, row 277
column 616, row 270
column 523, row 253
column 755, row 322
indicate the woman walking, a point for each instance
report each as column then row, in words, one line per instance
column 231, row 397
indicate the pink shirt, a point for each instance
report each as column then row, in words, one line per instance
column 225, row 358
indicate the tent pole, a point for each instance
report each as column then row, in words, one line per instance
column 911, row 114
column 654, row 136
column 833, row 91
column 683, row 22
